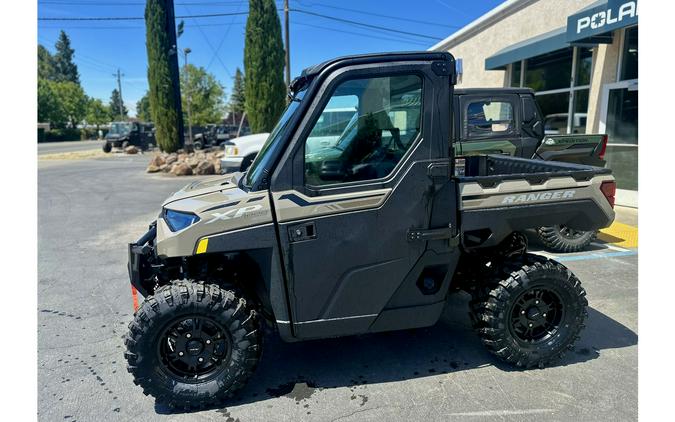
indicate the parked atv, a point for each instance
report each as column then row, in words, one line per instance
column 124, row 134
column 369, row 239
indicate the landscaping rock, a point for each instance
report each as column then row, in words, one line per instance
column 171, row 158
column 181, row 169
column 131, row 150
column 205, row 167
column 152, row 168
column 157, row 161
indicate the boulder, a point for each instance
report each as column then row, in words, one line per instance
column 153, row 168
column 205, row 167
column 171, row 158
column 165, row 168
column 181, row 169
column 157, row 161
column 131, row 150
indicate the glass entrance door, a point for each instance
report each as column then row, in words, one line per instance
column 621, row 125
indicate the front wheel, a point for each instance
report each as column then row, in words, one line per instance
column 532, row 314
column 562, row 238
column 107, row 147
column 192, row 345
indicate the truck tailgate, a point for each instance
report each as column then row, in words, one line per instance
column 502, row 194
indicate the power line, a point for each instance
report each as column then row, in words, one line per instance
column 222, row 39
column 208, row 42
column 363, row 12
column 86, row 3
column 416, row 42
column 136, row 18
column 367, row 25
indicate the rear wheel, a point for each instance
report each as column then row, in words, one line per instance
column 562, row 238
column 192, row 345
column 532, row 314
column 107, row 147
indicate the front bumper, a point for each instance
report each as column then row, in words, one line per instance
column 230, row 164
column 140, row 255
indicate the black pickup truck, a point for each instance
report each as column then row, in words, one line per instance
column 509, row 121
column 370, row 235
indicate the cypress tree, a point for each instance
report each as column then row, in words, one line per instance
column 263, row 66
column 64, row 68
column 162, row 106
column 238, row 97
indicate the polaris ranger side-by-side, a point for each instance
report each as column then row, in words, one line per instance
column 370, row 240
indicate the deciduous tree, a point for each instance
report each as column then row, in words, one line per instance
column 206, row 95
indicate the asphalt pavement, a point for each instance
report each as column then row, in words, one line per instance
column 90, row 209
column 68, row 146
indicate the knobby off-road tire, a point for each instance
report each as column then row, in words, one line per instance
column 530, row 290
column 229, row 342
column 560, row 239
column 107, row 147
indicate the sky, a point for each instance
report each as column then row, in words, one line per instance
column 217, row 43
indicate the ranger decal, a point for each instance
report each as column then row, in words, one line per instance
column 538, row 196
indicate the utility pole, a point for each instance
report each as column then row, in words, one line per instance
column 173, row 68
column 288, row 44
column 119, row 89
column 188, row 94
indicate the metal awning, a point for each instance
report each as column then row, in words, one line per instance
column 541, row 44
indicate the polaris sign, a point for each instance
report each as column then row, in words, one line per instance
column 602, row 19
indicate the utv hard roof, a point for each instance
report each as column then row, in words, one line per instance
column 308, row 73
column 492, row 91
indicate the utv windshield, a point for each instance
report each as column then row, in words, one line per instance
column 263, row 161
column 120, row 128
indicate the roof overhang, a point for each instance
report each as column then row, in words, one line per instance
column 541, row 44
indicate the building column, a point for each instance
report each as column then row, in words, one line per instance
column 605, row 62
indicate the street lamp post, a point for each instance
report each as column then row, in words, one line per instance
column 188, row 94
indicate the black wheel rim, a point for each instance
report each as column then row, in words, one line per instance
column 536, row 316
column 570, row 233
column 194, row 348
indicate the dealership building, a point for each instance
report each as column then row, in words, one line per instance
column 581, row 59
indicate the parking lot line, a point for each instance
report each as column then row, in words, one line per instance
column 620, row 234
column 595, row 256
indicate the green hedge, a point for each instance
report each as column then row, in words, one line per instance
column 58, row 135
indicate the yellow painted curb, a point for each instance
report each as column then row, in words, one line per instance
column 620, row 234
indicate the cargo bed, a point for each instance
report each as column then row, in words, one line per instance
column 500, row 194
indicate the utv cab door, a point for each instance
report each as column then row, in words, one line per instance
column 489, row 124
column 355, row 218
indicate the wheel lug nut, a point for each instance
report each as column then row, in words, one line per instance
column 180, row 353
column 188, row 335
column 201, row 359
column 208, row 341
column 530, row 324
column 536, row 302
column 522, row 312
column 544, row 315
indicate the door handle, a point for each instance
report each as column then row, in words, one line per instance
column 300, row 232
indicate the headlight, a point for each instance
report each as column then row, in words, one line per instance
column 231, row 150
column 179, row 220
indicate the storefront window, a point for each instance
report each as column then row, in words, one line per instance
column 584, row 65
column 549, row 71
column 515, row 73
column 554, row 108
column 629, row 63
column 622, row 129
column 580, row 111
